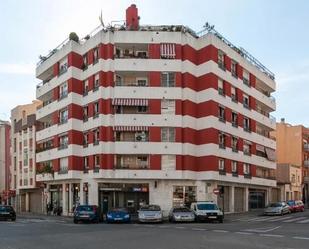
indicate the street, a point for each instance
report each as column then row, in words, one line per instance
column 238, row 231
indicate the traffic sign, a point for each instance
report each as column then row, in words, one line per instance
column 216, row 191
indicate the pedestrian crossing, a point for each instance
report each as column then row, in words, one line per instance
column 281, row 219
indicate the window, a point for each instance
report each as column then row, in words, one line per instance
column 86, row 163
column 63, row 66
column 167, row 134
column 85, row 113
column 167, row 106
column 142, row 109
column 118, row 80
column 234, row 119
column 96, row 137
column 246, row 124
column 86, row 87
column 142, row 82
column 142, row 161
column 63, row 142
column 25, row 157
column 246, row 168
column 95, row 55
column 221, row 59
column 85, row 62
column 184, row 196
column 168, row 162
column 234, row 166
column 247, row 148
column 63, row 90
column 221, row 165
column 246, row 101
column 15, row 144
column 221, row 140
column 96, row 82
column 221, row 113
column 97, row 160
column 234, row 144
column 234, row 68
column 96, row 110
column 168, row 79
column 63, row 116
column 64, row 162
column 246, row 77
column 233, row 94
column 85, row 140
column 15, row 163
column 221, row 87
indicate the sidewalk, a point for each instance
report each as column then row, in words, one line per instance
column 27, row 215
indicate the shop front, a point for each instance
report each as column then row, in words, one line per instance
column 257, row 198
column 184, row 195
column 122, row 195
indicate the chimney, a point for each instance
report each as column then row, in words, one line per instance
column 132, row 18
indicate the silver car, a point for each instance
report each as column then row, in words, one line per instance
column 277, row 208
column 181, row 214
column 150, row 213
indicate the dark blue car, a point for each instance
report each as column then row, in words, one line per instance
column 87, row 213
column 120, row 215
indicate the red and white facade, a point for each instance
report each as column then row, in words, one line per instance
column 147, row 115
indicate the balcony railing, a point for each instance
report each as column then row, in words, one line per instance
column 134, row 84
column 63, row 170
column 132, row 166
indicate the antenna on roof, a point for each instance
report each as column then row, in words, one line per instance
column 101, row 19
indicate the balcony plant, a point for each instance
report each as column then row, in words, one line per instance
column 73, row 37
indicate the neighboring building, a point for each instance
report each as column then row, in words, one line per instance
column 293, row 148
column 289, row 180
column 5, row 161
column 157, row 114
column 28, row 194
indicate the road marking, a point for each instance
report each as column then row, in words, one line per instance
column 164, row 226
column 220, row 231
column 295, row 219
column 149, row 226
column 199, row 229
column 180, row 227
column 272, row 235
column 262, row 229
column 303, row 221
column 278, row 218
column 304, row 238
column 244, row 233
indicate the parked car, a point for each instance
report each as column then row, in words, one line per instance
column 181, row 214
column 87, row 213
column 150, row 213
column 296, row 206
column 207, row 211
column 118, row 215
column 277, row 208
column 7, row 213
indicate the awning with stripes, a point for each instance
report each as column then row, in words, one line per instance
column 130, row 102
column 130, row 128
column 168, row 50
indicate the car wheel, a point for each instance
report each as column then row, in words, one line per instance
column 220, row 220
column 75, row 221
column 13, row 219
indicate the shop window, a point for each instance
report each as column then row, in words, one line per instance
column 184, row 195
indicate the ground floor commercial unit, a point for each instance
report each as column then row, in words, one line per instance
column 290, row 192
column 28, row 200
column 132, row 193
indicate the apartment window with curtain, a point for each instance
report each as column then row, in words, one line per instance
column 247, row 169
column 246, row 124
column 247, row 148
column 63, row 142
column 246, row 76
column 233, row 94
column 222, row 138
column 85, row 113
column 85, row 87
column 246, row 102
column 234, row 166
column 234, row 119
column 234, row 144
column 64, row 163
column 168, row 79
column 168, row 134
column 85, row 61
column 95, row 55
column 234, row 68
column 221, row 164
column 221, row 87
column 86, row 164
column 221, row 63
column 96, row 82
column 63, row 116
column 96, row 109
column 96, row 137
column 85, row 139
column 63, row 90
column 221, row 113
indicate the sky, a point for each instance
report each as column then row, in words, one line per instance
column 275, row 32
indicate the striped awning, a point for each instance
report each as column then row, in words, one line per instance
column 130, row 128
column 130, row 102
column 168, row 50
column 260, row 148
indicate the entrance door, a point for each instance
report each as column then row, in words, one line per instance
column 256, row 199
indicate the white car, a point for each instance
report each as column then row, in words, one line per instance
column 150, row 213
column 277, row 208
column 207, row 211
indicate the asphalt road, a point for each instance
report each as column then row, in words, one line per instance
column 238, row 231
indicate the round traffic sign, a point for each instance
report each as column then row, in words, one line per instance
column 216, row 191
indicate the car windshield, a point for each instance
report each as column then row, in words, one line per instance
column 5, row 209
column 277, row 204
column 291, row 203
column 150, row 208
column 85, row 208
column 181, row 210
column 119, row 210
column 206, row 206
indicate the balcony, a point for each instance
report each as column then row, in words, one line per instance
column 132, row 166
column 306, row 163
column 131, row 51
column 132, row 162
column 63, row 170
column 140, row 136
column 306, row 147
column 43, row 177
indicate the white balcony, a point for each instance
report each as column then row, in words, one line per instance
column 44, row 177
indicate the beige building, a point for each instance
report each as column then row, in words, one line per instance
column 28, row 195
column 293, row 148
column 289, row 180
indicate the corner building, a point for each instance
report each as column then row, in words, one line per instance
column 154, row 114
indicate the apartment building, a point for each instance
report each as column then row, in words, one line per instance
column 137, row 114
column 293, row 148
column 5, row 161
column 28, row 196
